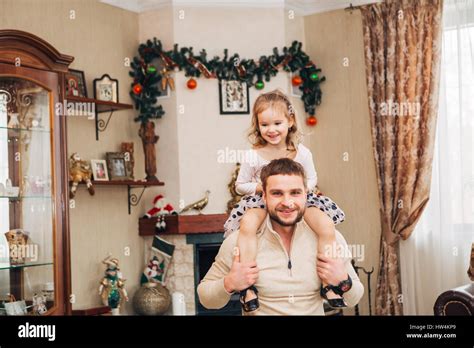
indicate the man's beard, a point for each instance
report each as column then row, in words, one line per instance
column 274, row 216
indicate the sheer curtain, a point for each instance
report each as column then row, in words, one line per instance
column 436, row 256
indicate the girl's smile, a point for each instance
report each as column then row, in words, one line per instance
column 273, row 126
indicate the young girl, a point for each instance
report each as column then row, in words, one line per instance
column 274, row 134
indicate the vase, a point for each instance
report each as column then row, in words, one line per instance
column 149, row 139
column 151, row 299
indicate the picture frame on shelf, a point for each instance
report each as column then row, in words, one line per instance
column 117, row 166
column 99, row 170
column 233, row 97
column 106, row 89
column 76, row 84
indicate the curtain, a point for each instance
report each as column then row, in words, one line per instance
column 402, row 54
column 436, row 257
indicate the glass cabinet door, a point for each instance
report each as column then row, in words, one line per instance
column 26, row 198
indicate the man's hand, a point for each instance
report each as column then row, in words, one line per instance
column 331, row 270
column 241, row 275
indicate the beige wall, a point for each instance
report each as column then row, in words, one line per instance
column 202, row 131
column 342, row 143
column 100, row 38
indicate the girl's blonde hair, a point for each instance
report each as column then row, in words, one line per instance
column 277, row 100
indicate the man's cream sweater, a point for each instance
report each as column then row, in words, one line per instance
column 282, row 290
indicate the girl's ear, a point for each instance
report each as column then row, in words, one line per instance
column 291, row 121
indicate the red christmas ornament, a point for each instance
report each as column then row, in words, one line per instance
column 296, row 81
column 137, row 89
column 311, row 121
column 192, row 84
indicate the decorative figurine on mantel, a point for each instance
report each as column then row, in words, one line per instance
column 199, row 205
column 79, row 171
column 161, row 206
column 112, row 288
column 235, row 196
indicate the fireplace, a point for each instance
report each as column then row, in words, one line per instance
column 206, row 247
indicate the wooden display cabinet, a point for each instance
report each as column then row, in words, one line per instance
column 33, row 156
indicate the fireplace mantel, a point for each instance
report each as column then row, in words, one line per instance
column 184, row 224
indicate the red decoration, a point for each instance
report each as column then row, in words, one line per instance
column 192, row 84
column 311, row 121
column 296, row 81
column 137, row 89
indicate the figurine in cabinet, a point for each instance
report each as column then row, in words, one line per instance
column 14, row 122
column 79, row 171
column 39, row 304
column 17, row 240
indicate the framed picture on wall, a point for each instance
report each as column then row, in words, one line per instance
column 75, row 84
column 233, row 97
column 106, row 89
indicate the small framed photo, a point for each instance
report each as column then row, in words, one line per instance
column 106, row 89
column 295, row 90
column 99, row 170
column 233, row 97
column 75, row 84
column 117, row 166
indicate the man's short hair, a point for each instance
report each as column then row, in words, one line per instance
column 281, row 166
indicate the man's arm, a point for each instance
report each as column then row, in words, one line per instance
column 226, row 275
column 353, row 296
column 335, row 270
column 211, row 291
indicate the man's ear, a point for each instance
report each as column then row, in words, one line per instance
column 264, row 197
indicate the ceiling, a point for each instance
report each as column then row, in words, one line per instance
column 302, row 7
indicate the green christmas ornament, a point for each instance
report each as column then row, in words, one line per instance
column 259, row 84
column 151, row 69
column 314, row 77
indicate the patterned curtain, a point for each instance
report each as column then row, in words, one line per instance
column 402, row 41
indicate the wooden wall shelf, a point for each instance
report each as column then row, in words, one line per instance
column 132, row 198
column 100, row 107
column 184, row 224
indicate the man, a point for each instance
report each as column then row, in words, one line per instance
column 289, row 272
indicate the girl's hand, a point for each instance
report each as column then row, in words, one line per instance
column 331, row 270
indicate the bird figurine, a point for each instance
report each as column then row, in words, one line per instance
column 198, row 205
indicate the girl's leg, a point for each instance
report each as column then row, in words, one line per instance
column 247, row 241
column 323, row 226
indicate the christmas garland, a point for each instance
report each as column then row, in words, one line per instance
column 146, row 77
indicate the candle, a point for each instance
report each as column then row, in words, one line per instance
column 179, row 305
